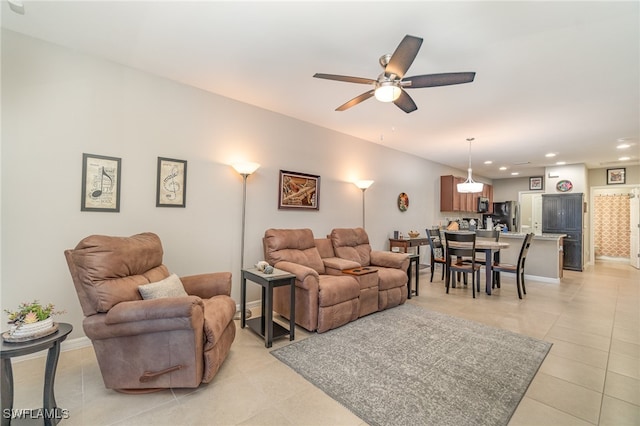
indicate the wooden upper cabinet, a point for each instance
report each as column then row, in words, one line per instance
column 449, row 199
column 453, row 201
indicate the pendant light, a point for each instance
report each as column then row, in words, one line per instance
column 470, row 185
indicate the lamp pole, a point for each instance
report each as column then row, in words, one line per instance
column 244, row 169
column 363, row 206
column 244, row 209
column 363, row 185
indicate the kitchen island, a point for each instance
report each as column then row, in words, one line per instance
column 544, row 260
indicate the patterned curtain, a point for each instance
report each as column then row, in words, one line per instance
column 611, row 225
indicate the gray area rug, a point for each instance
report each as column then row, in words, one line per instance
column 411, row 366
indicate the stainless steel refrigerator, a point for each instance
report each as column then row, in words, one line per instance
column 506, row 213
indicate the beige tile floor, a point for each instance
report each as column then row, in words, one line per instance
column 591, row 376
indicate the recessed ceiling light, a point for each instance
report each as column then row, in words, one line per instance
column 549, row 155
column 515, row 173
column 488, row 162
column 503, row 168
column 561, row 163
column 623, row 146
column 624, row 158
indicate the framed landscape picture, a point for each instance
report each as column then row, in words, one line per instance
column 100, row 183
column 536, row 183
column 616, row 176
column 298, row 191
column 171, row 185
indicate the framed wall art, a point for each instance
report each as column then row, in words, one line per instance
column 171, row 185
column 536, row 183
column 298, row 191
column 100, row 183
column 616, row 176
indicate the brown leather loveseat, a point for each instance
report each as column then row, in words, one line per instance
column 157, row 342
column 326, row 297
column 323, row 301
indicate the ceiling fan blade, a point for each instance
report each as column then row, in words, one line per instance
column 355, row 101
column 345, row 78
column 404, row 55
column 433, row 80
column 405, row 103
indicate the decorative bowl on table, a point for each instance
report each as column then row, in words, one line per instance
column 30, row 321
column 413, row 234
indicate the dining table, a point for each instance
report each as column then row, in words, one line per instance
column 491, row 250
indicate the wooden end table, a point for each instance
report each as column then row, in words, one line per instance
column 50, row 414
column 406, row 243
column 264, row 325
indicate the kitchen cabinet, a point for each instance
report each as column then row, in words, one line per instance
column 453, row 201
column 563, row 214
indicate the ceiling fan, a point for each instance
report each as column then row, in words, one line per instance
column 391, row 84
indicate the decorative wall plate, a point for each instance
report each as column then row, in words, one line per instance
column 564, row 186
column 403, row 202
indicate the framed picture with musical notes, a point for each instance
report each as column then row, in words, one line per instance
column 100, row 183
column 171, row 190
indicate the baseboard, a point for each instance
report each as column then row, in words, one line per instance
column 84, row 342
column 543, row 279
column 250, row 305
column 67, row 345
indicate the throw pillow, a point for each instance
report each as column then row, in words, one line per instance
column 168, row 287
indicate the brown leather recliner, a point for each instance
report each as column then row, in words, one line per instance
column 145, row 345
column 353, row 244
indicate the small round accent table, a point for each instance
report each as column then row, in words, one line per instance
column 49, row 414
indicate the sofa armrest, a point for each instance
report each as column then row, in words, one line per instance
column 388, row 259
column 152, row 309
column 208, row 285
column 301, row 272
column 335, row 265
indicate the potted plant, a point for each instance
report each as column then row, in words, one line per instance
column 31, row 320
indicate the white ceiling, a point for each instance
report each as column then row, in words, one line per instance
column 558, row 77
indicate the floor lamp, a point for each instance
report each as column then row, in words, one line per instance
column 244, row 169
column 363, row 185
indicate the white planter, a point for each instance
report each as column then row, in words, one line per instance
column 28, row 330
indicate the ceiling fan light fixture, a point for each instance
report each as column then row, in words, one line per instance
column 469, row 185
column 387, row 91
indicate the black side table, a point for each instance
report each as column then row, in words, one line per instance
column 50, row 414
column 264, row 325
column 414, row 259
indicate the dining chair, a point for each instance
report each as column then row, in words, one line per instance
column 437, row 251
column 518, row 268
column 488, row 234
column 463, row 251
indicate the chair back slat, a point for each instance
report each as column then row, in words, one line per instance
column 488, row 234
column 466, row 238
column 524, row 250
column 435, row 243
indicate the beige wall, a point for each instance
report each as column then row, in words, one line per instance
column 58, row 104
column 598, row 177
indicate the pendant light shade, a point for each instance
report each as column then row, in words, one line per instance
column 469, row 185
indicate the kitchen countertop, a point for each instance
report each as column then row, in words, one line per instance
column 537, row 237
column 544, row 261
